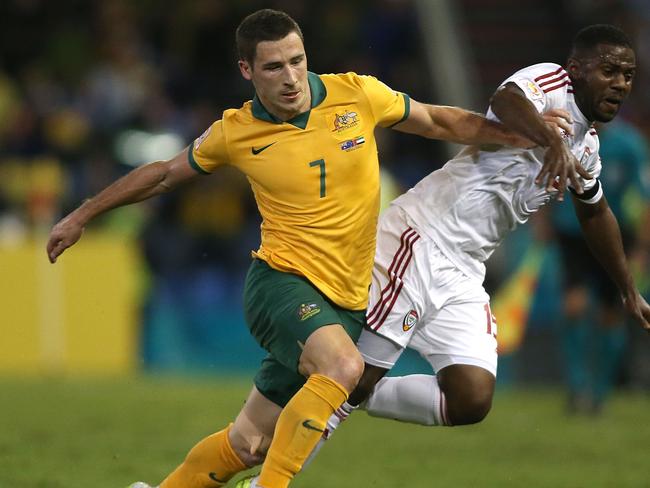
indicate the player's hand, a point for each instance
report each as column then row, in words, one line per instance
column 638, row 309
column 559, row 166
column 63, row 235
column 559, row 120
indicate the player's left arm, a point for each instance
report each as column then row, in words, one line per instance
column 458, row 125
column 602, row 233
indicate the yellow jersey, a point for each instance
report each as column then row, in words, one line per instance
column 315, row 178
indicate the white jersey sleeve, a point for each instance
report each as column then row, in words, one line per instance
column 590, row 160
column 546, row 85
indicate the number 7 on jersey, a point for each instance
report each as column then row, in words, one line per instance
column 321, row 164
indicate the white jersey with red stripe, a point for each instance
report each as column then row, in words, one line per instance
column 468, row 206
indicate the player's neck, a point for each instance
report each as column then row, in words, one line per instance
column 285, row 114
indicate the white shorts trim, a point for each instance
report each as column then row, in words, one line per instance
column 422, row 300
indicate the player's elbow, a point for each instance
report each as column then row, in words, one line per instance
column 499, row 102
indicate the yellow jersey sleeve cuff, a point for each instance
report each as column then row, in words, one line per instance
column 407, row 110
column 193, row 163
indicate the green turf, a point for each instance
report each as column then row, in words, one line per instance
column 108, row 433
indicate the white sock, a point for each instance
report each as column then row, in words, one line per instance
column 339, row 415
column 416, row 398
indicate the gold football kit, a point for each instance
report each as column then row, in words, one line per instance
column 315, row 179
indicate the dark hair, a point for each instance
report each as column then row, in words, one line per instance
column 263, row 25
column 589, row 37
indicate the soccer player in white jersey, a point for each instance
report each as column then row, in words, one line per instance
column 427, row 290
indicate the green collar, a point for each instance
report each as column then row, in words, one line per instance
column 318, row 94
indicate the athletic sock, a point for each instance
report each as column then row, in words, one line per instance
column 300, row 425
column 210, row 463
column 414, row 398
column 339, row 415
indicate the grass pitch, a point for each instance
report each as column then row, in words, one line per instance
column 58, row 433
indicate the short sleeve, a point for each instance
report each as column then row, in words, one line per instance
column 542, row 84
column 389, row 107
column 209, row 150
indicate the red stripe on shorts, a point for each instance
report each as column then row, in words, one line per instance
column 378, row 319
column 397, row 258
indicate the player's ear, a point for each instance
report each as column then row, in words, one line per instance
column 574, row 67
column 246, row 69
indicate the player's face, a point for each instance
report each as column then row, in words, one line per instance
column 279, row 74
column 602, row 80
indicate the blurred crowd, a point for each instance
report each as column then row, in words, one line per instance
column 89, row 90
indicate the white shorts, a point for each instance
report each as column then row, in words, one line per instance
column 420, row 299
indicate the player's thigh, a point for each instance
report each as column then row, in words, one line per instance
column 283, row 310
column 396, row 291
column 330, row 351
column 463, row 331
column 252, row 431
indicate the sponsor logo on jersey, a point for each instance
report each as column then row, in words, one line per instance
column 352, row 144
column 345, row 121
column 257, row 150
column 307, row 310
column 535, row 92
column 410, row 319
column 202, row 138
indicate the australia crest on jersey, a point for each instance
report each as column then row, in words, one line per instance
column 410, row 319
column 306, row 310
column 345, row 121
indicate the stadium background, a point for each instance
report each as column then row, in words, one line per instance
column 89, row 90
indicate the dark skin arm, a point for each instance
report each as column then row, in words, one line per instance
column 518, row 114
column 602, row 233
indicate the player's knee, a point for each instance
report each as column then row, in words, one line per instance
column 471, row 409
column 346, row 370
column 329, row 351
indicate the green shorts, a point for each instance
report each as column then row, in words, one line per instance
column 282, row 310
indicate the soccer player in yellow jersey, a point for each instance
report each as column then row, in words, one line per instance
column 306, row 144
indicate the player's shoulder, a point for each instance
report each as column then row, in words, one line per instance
column 542, row 71
column 241, row 115
column 349, row 79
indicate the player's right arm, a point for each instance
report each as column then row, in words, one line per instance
column 518, row 114
column 143, row 182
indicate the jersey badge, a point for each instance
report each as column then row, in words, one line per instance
column 345, row 121
column 410, row 319
column 535, row 92
column 352, row 144
column 307, row 310
column 199, row 140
